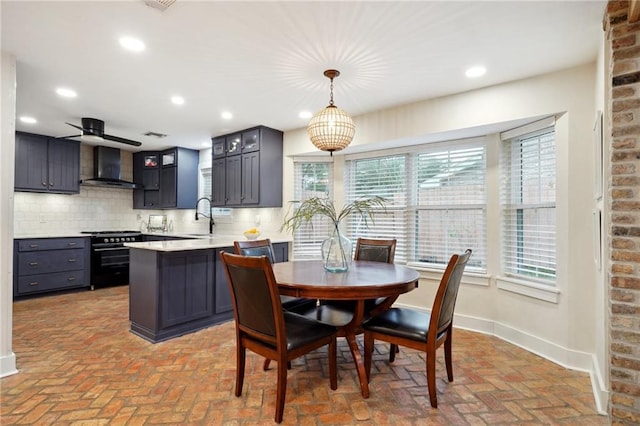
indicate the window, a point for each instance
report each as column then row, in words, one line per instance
column 312, row 179
column 385, row 177
column 528, row 202
column 450, row 208
column 436, row 201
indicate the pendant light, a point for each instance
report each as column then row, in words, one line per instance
column 331, row 129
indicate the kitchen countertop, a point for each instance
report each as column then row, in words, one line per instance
column 199, row 242
column 50, row 234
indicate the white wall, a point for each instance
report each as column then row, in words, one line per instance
column 564, row 331
column 7, row 141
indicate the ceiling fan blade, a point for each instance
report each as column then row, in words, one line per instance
column 121, row 140
column 77, row 127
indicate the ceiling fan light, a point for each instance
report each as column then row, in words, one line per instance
column 331, row 129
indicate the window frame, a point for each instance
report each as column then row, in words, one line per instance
column 406, row 251
column 514, row 264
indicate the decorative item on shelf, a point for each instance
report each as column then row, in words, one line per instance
column 331, row 129
column 252, row 234
column 337, row 249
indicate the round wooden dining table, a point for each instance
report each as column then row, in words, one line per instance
column 363, row 280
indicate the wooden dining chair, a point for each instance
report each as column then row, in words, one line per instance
column 419, row 330
column 263, row 327
column 265, row 248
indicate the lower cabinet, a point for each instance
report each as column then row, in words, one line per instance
column 50, row 264
column 173, row 293
column 178, row 292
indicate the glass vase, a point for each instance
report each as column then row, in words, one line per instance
column 337, row 251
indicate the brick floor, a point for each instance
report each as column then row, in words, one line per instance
column 80, row 365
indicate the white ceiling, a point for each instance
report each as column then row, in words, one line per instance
column 263, row 61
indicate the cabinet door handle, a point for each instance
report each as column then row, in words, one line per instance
column 72, row 244
column 33, row 263
column 71, row 279
column 44, row 183
column 34, row 283
column 33, row 246
column 71, row 260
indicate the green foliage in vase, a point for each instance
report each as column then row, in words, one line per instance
column 364, row 208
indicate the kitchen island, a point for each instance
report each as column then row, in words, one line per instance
column 179, row 286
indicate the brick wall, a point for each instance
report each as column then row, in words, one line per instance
column 624, row 214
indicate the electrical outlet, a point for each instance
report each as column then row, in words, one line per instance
column 257, row 220
column 43, row 218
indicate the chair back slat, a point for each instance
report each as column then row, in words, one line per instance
column 255, row 248
column 445, row 301
column 374, row 250
column 256, row 300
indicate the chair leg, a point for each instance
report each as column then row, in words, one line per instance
column 281, row 389
column 368, row 352
column 393, row 350
column 240, row 363
column 447, row 355
column 333, row 364
column 431, row 377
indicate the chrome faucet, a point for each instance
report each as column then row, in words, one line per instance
column 211, row 222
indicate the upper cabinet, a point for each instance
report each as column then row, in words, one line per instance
column 169, row 179
column 249, row 171
column 45, row 164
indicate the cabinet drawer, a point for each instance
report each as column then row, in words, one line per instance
column 55, row 281
column 40, row 262
column 34, row 244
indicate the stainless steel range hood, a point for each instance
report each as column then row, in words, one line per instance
column 106, row 169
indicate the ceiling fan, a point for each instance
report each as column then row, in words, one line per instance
column 95, row 128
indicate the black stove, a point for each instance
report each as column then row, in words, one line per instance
column 110, row 258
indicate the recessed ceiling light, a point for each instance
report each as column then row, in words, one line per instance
column 227, row 115
column 131, row 43
column 305, row 114
column 476, row 71
column 66, row 93
column 178, row 100
column 28, row 120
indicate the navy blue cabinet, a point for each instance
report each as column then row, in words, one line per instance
column 50, row 264
column 177, row 292
column 169, row 179
column 45, row 164
column 249, row 171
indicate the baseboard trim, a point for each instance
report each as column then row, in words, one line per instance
column 8, row 365
column 567, row 358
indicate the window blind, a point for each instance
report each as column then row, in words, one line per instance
column 312, row 179
column 385, row 177
column 450, row 208
column 528, row 201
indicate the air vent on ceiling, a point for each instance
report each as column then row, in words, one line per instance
column 161, row 5
column 157, row 135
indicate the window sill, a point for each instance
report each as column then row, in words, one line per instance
column 469, row 277
column 526, row 288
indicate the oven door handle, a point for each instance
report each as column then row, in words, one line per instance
column 109, row 249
